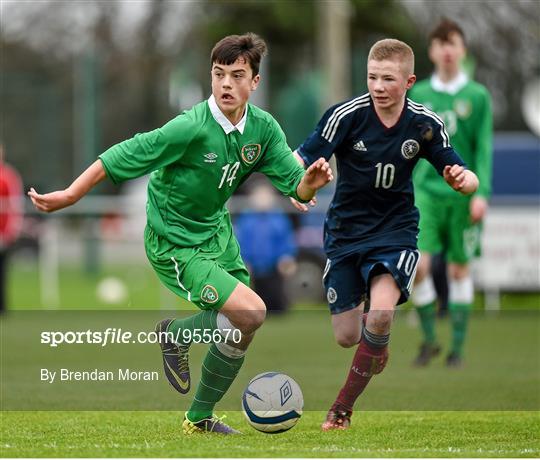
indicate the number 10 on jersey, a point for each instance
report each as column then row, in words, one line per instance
column 385, row 175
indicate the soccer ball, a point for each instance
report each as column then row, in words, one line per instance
column 272, row 402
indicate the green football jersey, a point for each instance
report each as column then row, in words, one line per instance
column 465, row 107
column 196, row 161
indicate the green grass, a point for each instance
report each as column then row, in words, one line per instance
column 373, row 434
column 490, row 408
column 78, row 290
column 394, row 418
column 501, row 372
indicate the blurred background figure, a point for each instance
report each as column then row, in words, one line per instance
column 11, row 214
column 440, row 281
column 268, row 246
column 451, row 223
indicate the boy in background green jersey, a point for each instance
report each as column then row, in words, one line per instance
column 451, row 222
column 196, row 161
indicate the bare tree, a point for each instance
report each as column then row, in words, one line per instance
column 504, row 39
column 66, row 56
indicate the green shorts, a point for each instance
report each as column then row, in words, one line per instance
column 205, row 275
column 445, row 225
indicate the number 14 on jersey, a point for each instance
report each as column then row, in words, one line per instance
column 229, row 174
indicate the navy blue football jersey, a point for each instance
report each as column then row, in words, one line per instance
column 373, row 204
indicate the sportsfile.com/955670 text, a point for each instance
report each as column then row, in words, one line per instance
column 113, row 335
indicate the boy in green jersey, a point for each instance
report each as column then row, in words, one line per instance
column 450, row 222
column 196, row 161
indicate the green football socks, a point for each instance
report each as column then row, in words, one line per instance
column 218, row 373
column 218, row 370
column 459, row 315
column 183, row 328
column 427, row 315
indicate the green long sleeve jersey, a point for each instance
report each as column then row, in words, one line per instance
column 196, row 161
column 465, row 107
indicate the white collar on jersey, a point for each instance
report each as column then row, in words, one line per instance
column 223, row 121
column 451, row 87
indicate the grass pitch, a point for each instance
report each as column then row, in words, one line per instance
column 491, row 407
column 509, row 378
column 373, row 434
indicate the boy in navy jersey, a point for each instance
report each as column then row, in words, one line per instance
column 371, row 227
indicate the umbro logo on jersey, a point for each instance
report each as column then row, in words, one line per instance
column 359, row 146
column 210, row 157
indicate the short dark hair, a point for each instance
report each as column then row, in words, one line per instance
column 443, row 30
column 249, row 46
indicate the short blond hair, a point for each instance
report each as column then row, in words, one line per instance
column 392, row 49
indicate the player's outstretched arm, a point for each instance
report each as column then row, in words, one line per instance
column 316, row 177
column 460, row 179
column 54, row 201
